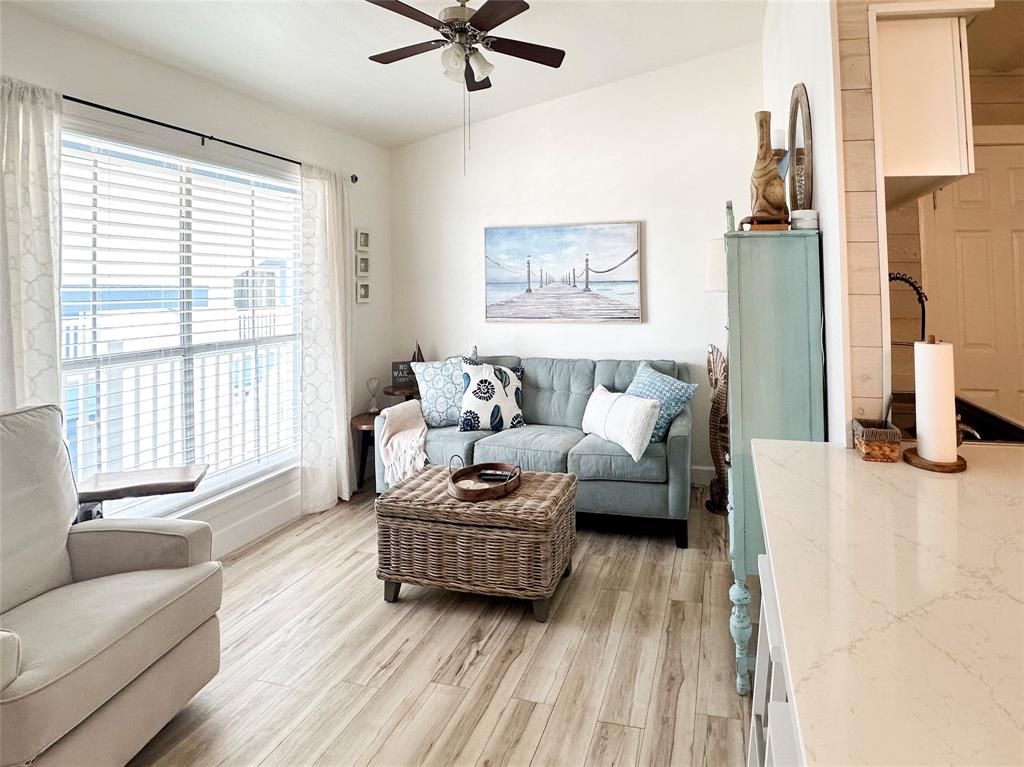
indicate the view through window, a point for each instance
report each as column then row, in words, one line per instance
column 180, row 313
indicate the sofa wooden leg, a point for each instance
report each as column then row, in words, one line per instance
column 682, row 540
column 391, row 589
column 540, row 610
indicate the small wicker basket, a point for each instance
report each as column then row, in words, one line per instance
column 876, row 440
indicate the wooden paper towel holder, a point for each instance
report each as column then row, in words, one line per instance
column 910, row 456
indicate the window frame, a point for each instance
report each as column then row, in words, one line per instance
column 101, row 125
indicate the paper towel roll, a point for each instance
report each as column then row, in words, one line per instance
column 935, row 398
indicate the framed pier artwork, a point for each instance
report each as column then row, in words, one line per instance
column 563, row 273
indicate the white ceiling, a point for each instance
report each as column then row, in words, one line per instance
column 312, row 56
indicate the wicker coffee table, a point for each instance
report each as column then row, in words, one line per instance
column 517, row 546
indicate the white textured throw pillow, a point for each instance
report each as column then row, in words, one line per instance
column 621, row 418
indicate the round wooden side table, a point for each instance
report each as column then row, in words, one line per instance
column 406, row 391
column 362, row 425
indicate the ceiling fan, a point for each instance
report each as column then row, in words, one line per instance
column 465, row 33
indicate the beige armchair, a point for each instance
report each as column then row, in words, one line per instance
column 107, row 628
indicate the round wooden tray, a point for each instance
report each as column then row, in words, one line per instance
column 493, row 489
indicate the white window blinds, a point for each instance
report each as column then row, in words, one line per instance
column 180, row 312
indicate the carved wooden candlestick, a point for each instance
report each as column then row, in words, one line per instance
column 767, row 190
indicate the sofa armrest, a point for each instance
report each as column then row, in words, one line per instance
column 378, row 464
column 678, row 448
column 108, row 546
column 10, row 657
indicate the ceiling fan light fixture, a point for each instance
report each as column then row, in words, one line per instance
column 481, row 67
column 453, row 59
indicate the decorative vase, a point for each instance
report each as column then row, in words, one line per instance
column 767, row 190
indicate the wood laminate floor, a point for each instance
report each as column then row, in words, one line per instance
column 634, row 666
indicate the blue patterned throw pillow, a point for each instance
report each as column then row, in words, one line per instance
column 440, row 385
column 673, row 394
column 492, row 397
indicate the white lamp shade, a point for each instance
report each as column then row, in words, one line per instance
column 715, row 278
column 481, row 67
column 453, row 59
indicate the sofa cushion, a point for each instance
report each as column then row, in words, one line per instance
column 596, row 458
column 534, row 448
column 440, row 386
column 505, row 360
column 442, row 444
column 38, row 501
column 556, row 391
column 673, row 394
column 492, row 398
column 626, row 421
column 82, row 643
column 617, row 375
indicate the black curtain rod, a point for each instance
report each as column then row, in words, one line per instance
column 202, row 136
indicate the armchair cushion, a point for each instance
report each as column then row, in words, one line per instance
column 10, row 657
column 82, row 643
column 38, row 501
column 107, row 546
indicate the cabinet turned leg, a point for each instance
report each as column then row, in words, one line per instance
column 540, row 610
column 682, row 537
column 739, row 627
column 391, row 589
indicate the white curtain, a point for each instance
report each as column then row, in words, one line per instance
column 30, row 239
column 327, row 297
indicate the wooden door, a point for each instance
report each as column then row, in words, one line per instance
column 974, row 276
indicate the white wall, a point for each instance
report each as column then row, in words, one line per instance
column 668, row 148
column 54, row 56
column 799, row 46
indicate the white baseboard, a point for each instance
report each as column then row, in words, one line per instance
column 250, row 512
column 702, row 475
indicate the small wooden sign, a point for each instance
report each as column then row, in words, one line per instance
column 401, row 373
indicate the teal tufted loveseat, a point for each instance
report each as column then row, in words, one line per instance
column 555, row 394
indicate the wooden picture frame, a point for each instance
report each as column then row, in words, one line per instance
column 558, row 272
column 362, row 291
column 362, row 264
column 362, row 240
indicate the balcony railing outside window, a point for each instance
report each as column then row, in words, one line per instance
column 180, row 313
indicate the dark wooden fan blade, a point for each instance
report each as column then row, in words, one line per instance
column 389, row 57
column 495, row 12
column 541, row 54
column 409, row 12
column 473, row 84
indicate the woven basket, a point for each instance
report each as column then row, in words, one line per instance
column 876, row 440
column 516, row 546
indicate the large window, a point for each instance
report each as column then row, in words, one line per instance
column 180, row 313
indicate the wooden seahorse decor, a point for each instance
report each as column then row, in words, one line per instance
column 718, row 430
column 767, row 190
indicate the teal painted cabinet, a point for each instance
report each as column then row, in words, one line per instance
column 776, row 384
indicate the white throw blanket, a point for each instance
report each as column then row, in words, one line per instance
column 402, row 441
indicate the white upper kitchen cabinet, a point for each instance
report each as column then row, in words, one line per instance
column 924, row 96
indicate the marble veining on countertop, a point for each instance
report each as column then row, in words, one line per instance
column 901, row 596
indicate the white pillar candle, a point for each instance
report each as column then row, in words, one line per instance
column 935, row 401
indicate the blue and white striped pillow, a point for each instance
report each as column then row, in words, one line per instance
column 673, row 394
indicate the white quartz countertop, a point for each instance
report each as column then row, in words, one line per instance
column 901, row 597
